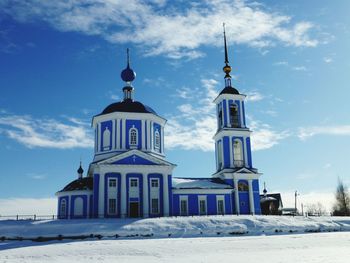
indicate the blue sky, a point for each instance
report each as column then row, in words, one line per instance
column 60, row 64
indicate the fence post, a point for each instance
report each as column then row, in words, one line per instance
column 34, row 217
column 17, row 217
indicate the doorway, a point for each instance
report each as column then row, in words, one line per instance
column 134, row 209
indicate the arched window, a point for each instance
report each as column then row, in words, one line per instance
column 234, row 117
column 242, row 186
column 157, row 140
column 238, row 153
column 63, row 208
column 220, row 117
column 78, row 206
column 106, row 139
column 133, row 137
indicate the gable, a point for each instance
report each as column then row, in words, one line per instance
column 134, row 159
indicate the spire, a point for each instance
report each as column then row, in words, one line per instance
column 128, row 75
column 80, row 171
column 265, row 191
column 227, row 67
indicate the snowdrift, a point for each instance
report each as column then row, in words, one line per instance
column 200, row 226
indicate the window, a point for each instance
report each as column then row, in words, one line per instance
column 155, row 206
column 183, row 206
column 220, row 206
column 112, row 183
column 238, row 153
column 220, row 117
column 202, row 206
column 63, row 208
column 133, row 137
column 133, row 183
column 242, row 186
column 106, row 139
column 154, row 183
column 112, row 206
column 157, row 140
column 234, row 117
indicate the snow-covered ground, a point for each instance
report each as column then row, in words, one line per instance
column 305, row 248
column 199, row 226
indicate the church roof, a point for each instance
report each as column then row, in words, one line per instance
column 128, row 106
column 199, row 183
column 85, row 183
column 229, row 90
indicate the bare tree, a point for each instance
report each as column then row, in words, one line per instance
column 342, row 197
column 316, row 209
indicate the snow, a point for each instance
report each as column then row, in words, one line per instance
column 306, row 248
column 197, row 226
column 183, row 183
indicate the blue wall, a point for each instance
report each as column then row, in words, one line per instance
column 59, row 207
column 96, row 193
column 110, row 128
column 226, row 145
column 72, row 208
column 249, row 153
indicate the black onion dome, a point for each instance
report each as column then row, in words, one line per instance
column 229, row 90
column 128, row 74
column 128, row 106
column 80, row 170
column 85, row 183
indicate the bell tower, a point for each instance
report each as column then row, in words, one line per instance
column 233, row 146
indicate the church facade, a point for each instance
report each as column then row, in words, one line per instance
column 130, row 176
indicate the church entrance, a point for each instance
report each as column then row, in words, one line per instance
column 134, row 209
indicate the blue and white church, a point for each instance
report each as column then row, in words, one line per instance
column 130, row 176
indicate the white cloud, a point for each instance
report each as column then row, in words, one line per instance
column 307, row 132
column 328, row 60
column 164, row 28
column 299, row 68
column 47, row 133
column 195, row 124
column 254, row 96
column 28, row 206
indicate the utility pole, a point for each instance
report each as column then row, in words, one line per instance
column 295, row 202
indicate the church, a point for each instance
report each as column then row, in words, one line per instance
column 130, row 176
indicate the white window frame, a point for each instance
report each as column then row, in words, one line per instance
column 183, row 198
column 218, row 199
column 152, row 207
column 154, row 180
column 133, row 139
column 115, row 206
column 200, row 199
column 110, row 180
column 238, row 155
column 157, row 140
column 133, row 180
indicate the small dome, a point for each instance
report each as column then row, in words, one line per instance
column 128, row 106
column 80, row 170
column 85, row 183
column 128, row 74
column 229, row 90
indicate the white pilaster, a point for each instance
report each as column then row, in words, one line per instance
column 231, row 151
column 123, row 130
column 251, row 197
column 123, row 200
column 143, row 134
column 101, row 196
column 99, row 139
column 235, row 181
column 151, row 135
column 145, row 196
column 113, row 131
column 118, row 134
column 162, row 140
column 241, row 112
column 165, row 195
